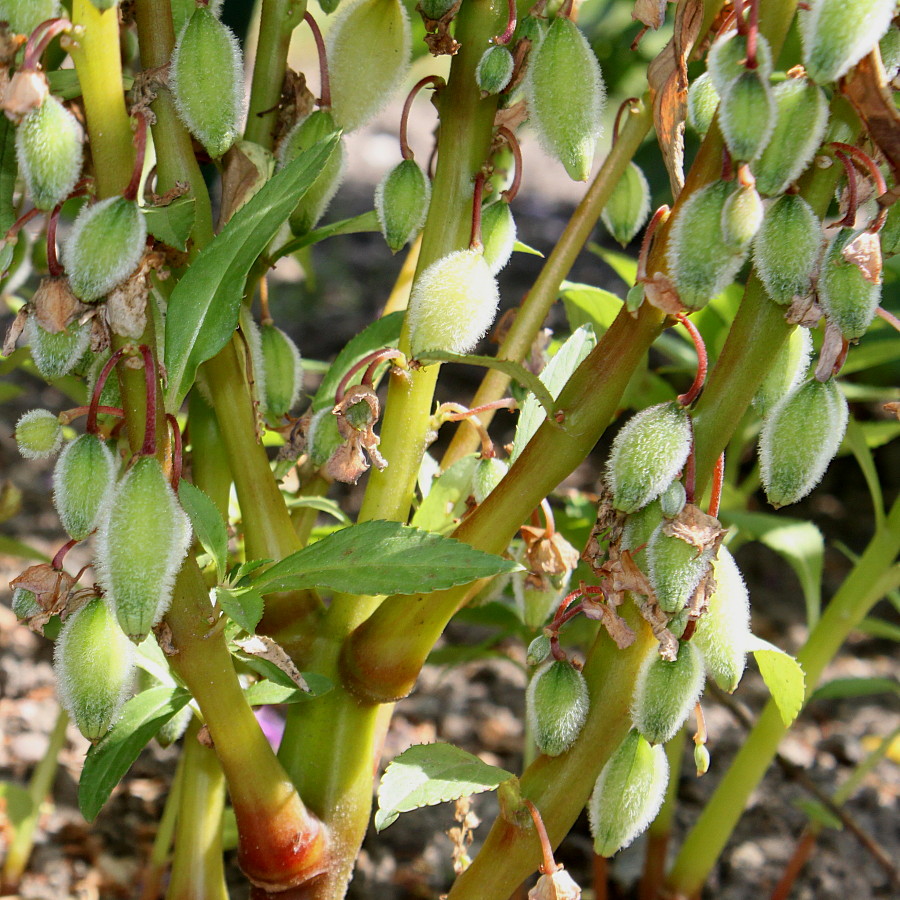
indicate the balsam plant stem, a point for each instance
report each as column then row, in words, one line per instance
column 160, row 854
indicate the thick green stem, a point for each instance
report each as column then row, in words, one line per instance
column 162, row 843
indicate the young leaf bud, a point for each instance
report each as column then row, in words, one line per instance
column 640, row 525
column 83, row 482
column 701, row 759
column 25, row 605
column 565, row 92
column 38, row 434
column 800, row 438
column 742, row 215
column 25, row 15
column 498, row 233
column 494, row 69
column 786, row 372
column 628, row 206
column 104, row 247
column 648, row 452
column 401, row 203
column 49, row 151
column 747, row 115
column 538, row 649
column 206, row 76
column 628, row 793
column 557, row 705
column 675, row 568
column 849, row 287
column 703, row 101
column 94, row 666
column 672, row 499
column 283, row 371
column 786, row 248
column 727, row 60
column 54, row 355
column 140, row 546
column 488, row 474
column 452, row 304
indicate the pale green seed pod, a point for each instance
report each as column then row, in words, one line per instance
column 323, row 437
column 787, row 371
column 365, row 72
column 648, row 452
column 283, row 371
column 436, row 9
column 837, row 34
column 640, row 525
column 206, row 76
column 556, row 704
column 799, row 439
column 55, row 355
column 452, row 304
column 38, row 434
column 538, row 650
column 494, row 69
column 104, row 247
column 728, row 55
column 94, row 664
column 498, row 234
column 701, row 759
column 628, row 793
column 742, row 216
column 848, row 297
column 675, row 568
column 83, row 482
column 182, row 10
column 747, row 115
column 672, row 500
column 488, row 474
column 703, row 101
column 786, row 249
column 890, row 232
column 25, row 15
column 665, row 692
column 801, row 117
column 566, row 94
column 536, row 604
column 722, row 634
column 889, row 48
column 140, row 546
column 50, row 153
column 401, row 203
column 24, row 604
column 628, row 207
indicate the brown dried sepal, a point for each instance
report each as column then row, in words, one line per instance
column 892, row 409
column 27, row 90
column 349, row 461
column 546, row 555
column 864, row 252
column 659, row 625
column 14, row 331
column 438, row 38
column 661, row 293
column 805, row 312
column 52, row 589
column 263, row 647
column 126, row 304
column 54, row 306
column 604, row 611
column 297, row 102
column 558, row 885
column 695, row 527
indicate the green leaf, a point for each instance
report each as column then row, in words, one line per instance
column 203, row 308
column 444, row 505
column 322, row 504
column 820, row 814
column 11, row 547
column 16, row 803
column 267, row 693
column 855, row 439
column 108, row 761
column 242, row 605
column 9, row 170
column 519, row 247
column 623, row 265
column 842, row 688
column 783, row 677
column 879, row 628
column 589, row 305
column 429, row 774
column 878, row 348
column 367, row 221
column 382, row 558
column 207, row 523
column 152, row 660
column 172, row 223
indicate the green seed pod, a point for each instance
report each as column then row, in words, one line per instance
column 742, row 215
column 848, row 297
column 206, row 76
column 786, row 371
column 890, row 232
column 628, row 206
column 401, row 203
column 538, row 650
column 182, row 10
column 801, row 117
column 889, row 48
column 675, row 568
column 104, row 247
column 648, row 452
column 38, row 434
column 672, row 499
column 55, row 355
column 488, row 474
column 566, row 94
column 640, row 525
column 747, row 115
column 453, row 303
column 556, row 704
column 140, row 546
column 49, row 151
column 628, row 793
column 701, row 759
column 25, row 15
column 24, row 604
column 436, row 9
column 498, row 233
column 494, row 69
column 837, row 34
column 364, row 72
column 535, row 604
column 83, row 482
column 723, row 631
column 727, row 58
column 94, row 666
column 283, row 371
column 799, row 439
column 703, row 101
column 323, row 437
column 786, row 249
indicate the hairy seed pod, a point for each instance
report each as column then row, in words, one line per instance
column 727, row 59
column 206, row 76
column 401, row 203
column 628, row 793
column 787, row 248
column 104, row 247
column 94, row 663
column 701, row 759
column 648, row 452
column 453, row 303
column 787, row 370
column 799, row 439
column 498, row 233
column 703, row 101
column 846, row 288
column 436, row 9
column 50, row 153
column 283, row 371
column 55, row 355
column 890, row 233
column 24, row 604
column 747, row 115
column 723, row 631
column 24, row 16
column 742, row 215
column 557, row 705
column 538, row 650
column 323, row 437
column 837, row 34
column 38, row 434
column 566, row 94
column 628, row 206
column 535, row 603
column 672, row 499
column 488, row 474
column 83, row 482
column 889, row 48
column 494, row 69
column 801, row 117
column 140, row 546
column 640, row 525
column 675, row 568
column 355, row 97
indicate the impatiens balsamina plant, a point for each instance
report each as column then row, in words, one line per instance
column 773, row 250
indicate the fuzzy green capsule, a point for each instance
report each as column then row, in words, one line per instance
column 890, row 233
column 25, row 15
column 283, row 371
column 703, row 101
column 488, row 474
column 83, row 482
column 675, row 568
column 494, row 69
column 38, row 434
column 640, row 525
column 847, row 288
column 498, row 233
column 889, row 48
column 747, row 115
column 672, row 499
column 742, row 216
column 727, row 60
column 534, row 603
column 556, row 703
column 24, row 604
column 55, row 355
column 628, row 206
column 787, row 370
column 401, row 203
column 538, row 650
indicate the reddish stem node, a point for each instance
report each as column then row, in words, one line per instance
column 324, row 81
column 54, row 267
column 437, row 83
column 752, row 34
column 149, row 448
column 548, row 866
column 40, row 39
column 140, row 146
column 371, row 360
column 658, row 218
column 863, row 159
column 94, row 408
column 510, row 193
column 625, row 103
column 506, row 35
column 718, row 478
column 477, row 195
column 691, row 394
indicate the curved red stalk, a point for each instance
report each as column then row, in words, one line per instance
column 91, row 424
column 548, row 866
column 149, row 448
column 53, row 264
column 716, row 489
column 691, row 394
column 510, row 193
column 61, row 553
column 324, row 81
column 506, row 36
column 39, row 40
column 177, row 455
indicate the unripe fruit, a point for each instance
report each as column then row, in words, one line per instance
column 672, row 499
column 50, row 153
column 640, row 525
column 628, row 793
column 556, row 703
column 628, row 206
column 535, row 603
column 55, row 355
column 104, row 247
column 747, row 115
column 24, row 604
column 800, row 438
column 701, row 759
column 727, row 59
column 498, row 234
column 786, row 248
column 566, row 95
column 494, row 69
column 742, row 216
column 25, row 15
column 703, row 101
column 206, row 76
column 890, row 232
column 488, row 474
column 648, row 452
column 38, row 434
column 323, row 437
column 889, row 48
column 848, row 297
column 401, row 203
column 453, row 303
column 675, row 568
column 83, row 482
column 436, row 9
column 538, row 650
column 787, row 371
column 283, row 371
column 94, row 666
column 140, row 546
